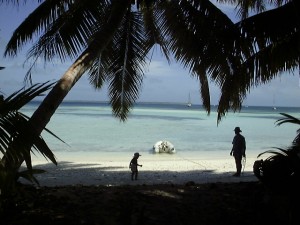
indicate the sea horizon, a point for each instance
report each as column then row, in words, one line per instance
column 89, row 128
column 161, row 102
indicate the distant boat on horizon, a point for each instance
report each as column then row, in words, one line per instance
column 274, row 107
column 189, row 103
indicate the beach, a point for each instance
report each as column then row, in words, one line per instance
column 162, row 168
column 91, row 183
column 97, row 189
column 97, row 147
column 178, row 192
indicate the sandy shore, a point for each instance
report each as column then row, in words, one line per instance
column 74, row 169
column 94, row 189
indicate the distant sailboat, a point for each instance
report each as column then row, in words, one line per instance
column 274, row 107
column 189, row 104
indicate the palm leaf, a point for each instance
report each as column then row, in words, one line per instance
column 69, row 34
column 29, row 175
column 279, row 151
column 153, row 25
column 288, row 119
column 204, row 88
column 276, row 51
column 35, row 23
column 21, row 97
column 244, row 7
column 126, row 73
column 14, row 128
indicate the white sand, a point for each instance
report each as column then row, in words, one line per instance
column 75, row 169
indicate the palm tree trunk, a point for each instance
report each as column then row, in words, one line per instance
column 51, row 102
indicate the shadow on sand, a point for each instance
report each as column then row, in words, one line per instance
column 68, row 173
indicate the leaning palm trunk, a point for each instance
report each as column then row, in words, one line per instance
column 51, row 102
column 43, row 114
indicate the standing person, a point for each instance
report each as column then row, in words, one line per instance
column 238, row 150
column 133, row 166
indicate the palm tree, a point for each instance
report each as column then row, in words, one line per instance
column 110, row 40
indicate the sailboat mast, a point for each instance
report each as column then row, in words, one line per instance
column 189, row 104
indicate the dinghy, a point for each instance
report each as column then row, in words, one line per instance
column 163, row 147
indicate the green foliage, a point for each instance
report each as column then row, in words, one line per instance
column 281, row 170
column 280, row 174
column 16, row 133
column 16, row 139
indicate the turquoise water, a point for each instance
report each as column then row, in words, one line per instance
column 89, row 127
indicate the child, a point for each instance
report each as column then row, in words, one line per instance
column 133, row 166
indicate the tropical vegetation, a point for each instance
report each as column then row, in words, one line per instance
column 280, row 171
column 16, row 136
column 281, row 168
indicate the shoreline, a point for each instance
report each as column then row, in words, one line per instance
column 157, row 169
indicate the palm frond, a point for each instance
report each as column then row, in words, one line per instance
column 211, row 43
column 275, row 44
column 69, row 34
column 273, row 53
column 279, row 151
column 98, row 70
column 7, row 128
column 153, row 25
column 21, row 137
column 126, row 72
column 35, row 23
column 100, row 66
column 21, row 97
column 100, row 42
column 271, row 61
column 16, row 134
column 272, row 25
column 245, row 7
column 233, row 92
column 288, row 119
column 204, row 88
column 29, row 175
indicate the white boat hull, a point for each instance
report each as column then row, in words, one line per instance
column 164, row 147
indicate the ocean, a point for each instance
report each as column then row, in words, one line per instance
column 88, row 128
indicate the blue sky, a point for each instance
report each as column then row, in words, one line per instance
column 162, row 82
